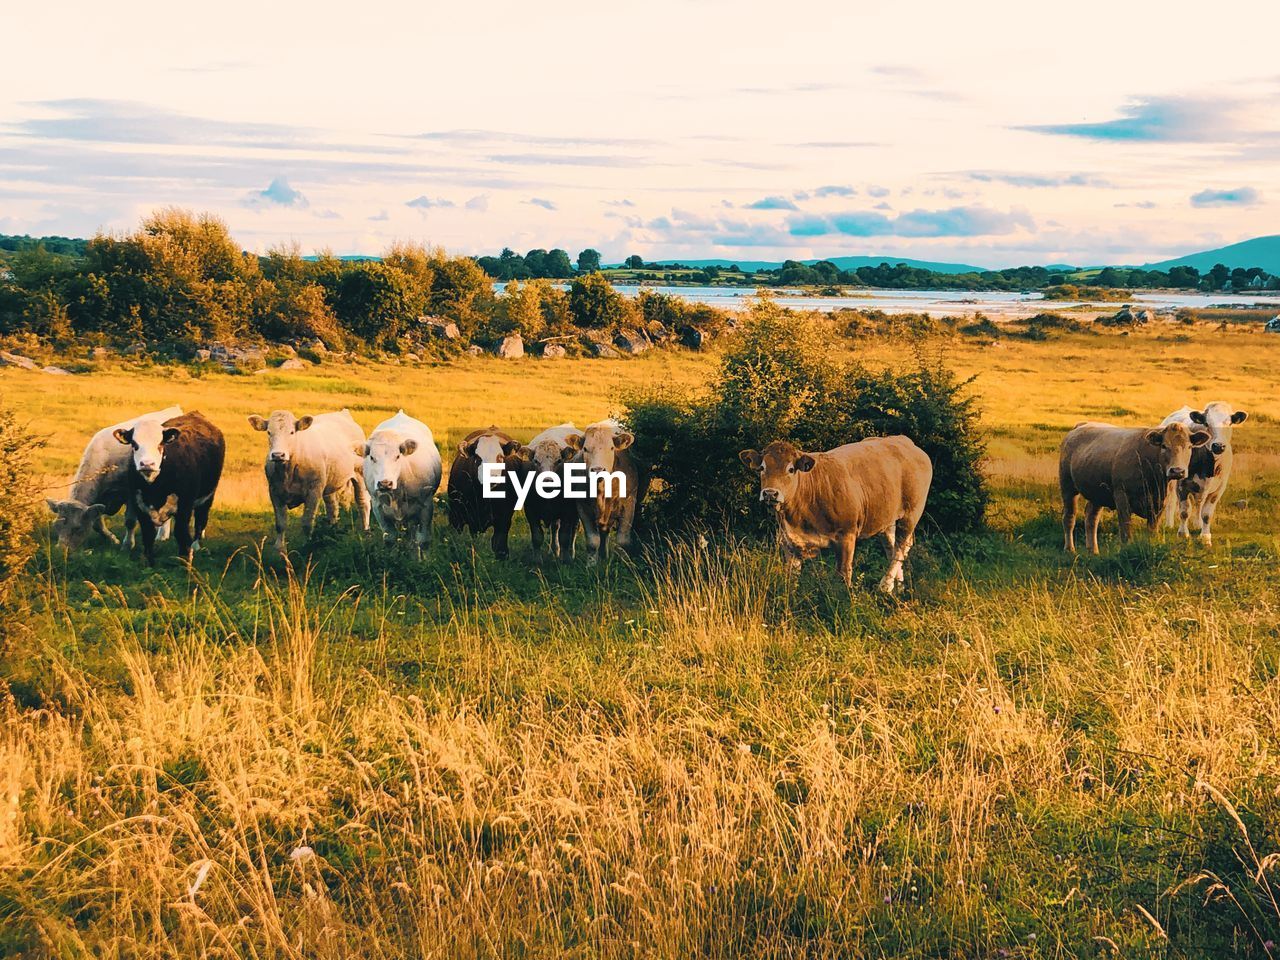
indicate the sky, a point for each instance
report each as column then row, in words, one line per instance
column 989, row 133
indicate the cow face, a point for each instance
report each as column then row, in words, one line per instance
column 73, row 521
column 1175, row 442
column 488, row 448
column 779, row 466
column 281, row 429
column 547, row 456
column 1218, row 418
column 148, row 439
column 385, row 457
column 599, row 446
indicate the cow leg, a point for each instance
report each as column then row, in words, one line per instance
column 1188, row 503
column 147, row 531
column 201, row 520
column 130, row 527
column 1069, row 521
column 535, row 534
column 595, row 542
column 332, row 507
column 422, row 535
column 281, row 510
column 309, row 507
column 1123, row 514
column 625, row 522
column 164, row 531
column 362, row 501
column 1207, row 510
column 182, row 531
column 100, row 525
column 845, row 547
column 905, row 538
column 1092, row 517
column 501, row 531
column 566, row 535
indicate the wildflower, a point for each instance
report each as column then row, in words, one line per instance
column 198, row 882
column 744, row 748
column 300, row 854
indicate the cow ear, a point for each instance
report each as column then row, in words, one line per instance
column 623, row 440
column 567, row 454
column 95, row 511
column 170, row 435
column 1200, row 438
column 574, row 442
column 804, row 463
column 55, row 505
column 258, row 423
column 408, row 446
column 1197, row 416
column 1239, row 417
column 362, row 449
column 303, row 422
column 527, row 453
column 1155, row 438
column 511, row 446
column 124, row 436
column 467, row 448
column 751, row 458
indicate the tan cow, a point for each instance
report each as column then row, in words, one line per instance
column 876, row 487
column 1125, row 469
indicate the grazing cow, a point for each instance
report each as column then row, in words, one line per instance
column 547, row 454
column 402, row 469
column 174, row 472
column 1126, row 469
column 1210, row 471
column 468, row 506
column 101, row 488
column 876, row 487
column 620, row 485
column 310, row 459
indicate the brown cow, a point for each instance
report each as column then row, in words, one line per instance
column 468, row 506
column 1125, row 469
column 877, row 487
column 620, row 485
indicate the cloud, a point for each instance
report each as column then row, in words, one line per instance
column 953, row 222
column 800, row 195
column 772, row 203
column 498, row 136
column 1139, row 204
column 568, row 160
column 479, row 202
column 1035, row 180
column 541, row 202
column 877, row 192
column 1239, row 197
column 327, row 214
column 380, row 216
column 619, row 203
column 837, row 144
column 278, row 193
column 425, row 203
column 1157, row 120
column 834, row 190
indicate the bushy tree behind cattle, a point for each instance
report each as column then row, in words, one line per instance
column 17, row 514
column 778, row 381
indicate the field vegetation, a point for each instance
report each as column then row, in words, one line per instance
column 352, row 753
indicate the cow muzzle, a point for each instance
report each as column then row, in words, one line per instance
column 149, row 471
column 279, row 457
column 1176, row 473
column 770, row 495
column 386, row 486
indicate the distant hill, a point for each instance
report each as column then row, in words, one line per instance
column 1261, row 252
column 844, row 263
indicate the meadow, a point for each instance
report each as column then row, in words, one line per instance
column 354, row 753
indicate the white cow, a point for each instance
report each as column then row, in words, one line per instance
column 310, row 459
column 1203, row 490
column 402, row 469
column 101, row 488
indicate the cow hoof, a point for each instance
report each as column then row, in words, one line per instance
column 887, row 585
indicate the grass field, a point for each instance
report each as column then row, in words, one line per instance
column 358, row 754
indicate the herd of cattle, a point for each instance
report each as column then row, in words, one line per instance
column 163, row 468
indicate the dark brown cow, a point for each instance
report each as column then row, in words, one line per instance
column 174, row 472
column 468, row 507
column 558, row 513
column 604, row 448
column 1125, row 469
column 877, row 487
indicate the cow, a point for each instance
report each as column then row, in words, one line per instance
column 402, row 469
column 620, row 483
column 875, row 487
column 468, row 506
column 101, row 488
column 310, row 459
column 546, row 454
column 1210, row 470
column 1126, row 469
column 174, row 472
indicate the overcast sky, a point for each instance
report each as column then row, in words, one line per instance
column 988, row 133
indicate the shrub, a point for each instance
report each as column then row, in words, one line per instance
column 593, row 303
column 17, row 513
column 778, row 381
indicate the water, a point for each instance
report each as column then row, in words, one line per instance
column 945, row 302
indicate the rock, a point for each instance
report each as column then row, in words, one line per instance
column 17, row 360
column 657, row 333
column 58, row 371
column 553, row 351
column 475, row 351
column 693, row 338
column 99, row 353
column 603, row 350
column 1126, row 316
column 234, row 356
column 135, row 349
column 412, row 358
column 631, row 341
column 294, row 363
column 511, row 347
column 1273, row 325
column 287, row 350
column 440, row 328
column 202, row 354
column 317, row 346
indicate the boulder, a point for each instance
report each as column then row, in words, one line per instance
column 232, row 356
column 317, row 346
column 631, row 341
column 57, row 371
column 603, row 350
column 693, row 338
column 202, row 354
column 553, row 351
column 287, row 350
column 511, row 347
column 1127, row 316
column 412, row 358
column 1273, row 325
column 294, row 363
column 17, row 360
column 475, row 351
column 440, row 328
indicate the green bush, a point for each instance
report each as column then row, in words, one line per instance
column 778, row 381
column 17, row 515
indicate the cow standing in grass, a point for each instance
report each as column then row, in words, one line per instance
column 620, row 485
column 1209, row 473
column 495, row 450
column 877, row 487
column 402, row 469
column 310, row 459
column 547, row 454
column 173, row 473
column 101, row 488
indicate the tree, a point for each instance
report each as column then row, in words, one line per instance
column 556, row 266
column 594, row 303
column 1219, row 274
column 634, row 262
column 589, row 261
column 1184, row 277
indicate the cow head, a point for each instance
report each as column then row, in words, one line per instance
column 281, row 428
column 599, row 445
column 73, row 521
column 148, row 439
column 1218, row 418
column 489, row 448
column 385, row 456
column 779, row 465
column 1175, row 442
column 547, row 455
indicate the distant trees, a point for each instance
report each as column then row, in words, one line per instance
column 509, row 265
column 634, row 262
column 589, row 261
